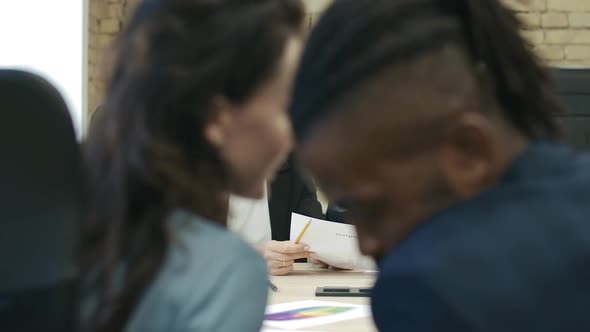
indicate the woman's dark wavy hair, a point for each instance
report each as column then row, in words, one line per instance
column 356, row 39
column 146, row 154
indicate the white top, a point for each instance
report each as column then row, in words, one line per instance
column 250, row 219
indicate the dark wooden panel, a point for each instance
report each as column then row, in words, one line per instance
column 572, row 80
column 577, row 131
column 574, row 91
column 577, row 104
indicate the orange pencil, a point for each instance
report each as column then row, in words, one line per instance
column 302, row 232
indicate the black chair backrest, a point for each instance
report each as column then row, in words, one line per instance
column 574, row 90
column 41, row 201
column 336, row 214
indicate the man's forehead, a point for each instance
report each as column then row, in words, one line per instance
column 400, row 111
column 337, row 157
column 356, row 139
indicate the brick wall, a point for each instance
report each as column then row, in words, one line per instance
column 558, row 29
column 105, row 22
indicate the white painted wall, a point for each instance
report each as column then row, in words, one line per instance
column 48, row 37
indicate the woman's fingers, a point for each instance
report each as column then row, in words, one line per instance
column 287, row 247
column 281, row 255
column 279, row 264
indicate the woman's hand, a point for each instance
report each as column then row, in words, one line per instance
column 280, row 256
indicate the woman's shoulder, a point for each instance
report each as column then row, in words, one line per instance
column 208, row 247
column 194, row 232
column 205, row 267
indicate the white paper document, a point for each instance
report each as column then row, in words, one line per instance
column 333, row 243
column 303, row 314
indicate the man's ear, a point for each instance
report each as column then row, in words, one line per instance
column 219, row 123
column 467, row 157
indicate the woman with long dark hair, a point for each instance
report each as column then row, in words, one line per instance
column 195, row 110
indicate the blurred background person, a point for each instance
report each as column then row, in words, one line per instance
column 259, row 221
column 266, row 223
column 288, row 194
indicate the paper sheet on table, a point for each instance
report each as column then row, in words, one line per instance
column 302, row 314
column 333, row 243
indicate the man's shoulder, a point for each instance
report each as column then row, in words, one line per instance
column 502, row 229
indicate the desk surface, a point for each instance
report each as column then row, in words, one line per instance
column 301, row 285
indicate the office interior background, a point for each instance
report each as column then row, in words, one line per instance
column 558, row 30
column 70, row 45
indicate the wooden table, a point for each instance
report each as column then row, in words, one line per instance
column 301, row 285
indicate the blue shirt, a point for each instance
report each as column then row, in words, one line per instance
column 514, row 258
column 210, row 281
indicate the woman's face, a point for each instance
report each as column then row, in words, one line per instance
column 255, row 136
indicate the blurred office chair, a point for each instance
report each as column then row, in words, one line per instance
column 40, row 206
column 574, row 90
column 336, row 214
